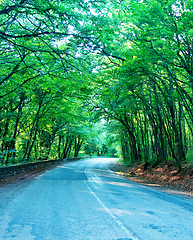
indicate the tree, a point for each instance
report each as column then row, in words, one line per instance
column 128, row 62
column 149, row 93
column 45, row 59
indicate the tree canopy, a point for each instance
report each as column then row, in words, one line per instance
column 66, row 65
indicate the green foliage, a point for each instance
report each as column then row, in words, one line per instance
column 150, row 93
column 100, row 142
column 103, row 78
column 189, row 156
column 45, row 76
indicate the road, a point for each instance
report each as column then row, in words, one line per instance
column 84, row 200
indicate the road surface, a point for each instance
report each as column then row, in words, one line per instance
column 84, row 200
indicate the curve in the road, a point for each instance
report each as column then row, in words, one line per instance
column 84, row 200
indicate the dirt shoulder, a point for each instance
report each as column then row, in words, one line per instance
column 166, row 178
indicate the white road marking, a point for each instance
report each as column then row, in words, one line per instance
column 129, row 234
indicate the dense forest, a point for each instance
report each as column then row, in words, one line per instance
column 96, row 78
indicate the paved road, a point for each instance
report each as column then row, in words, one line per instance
column 86, row 201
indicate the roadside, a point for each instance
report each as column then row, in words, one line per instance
column 29, row 173
column 165, row 178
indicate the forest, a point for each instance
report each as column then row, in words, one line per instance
column 103, row 77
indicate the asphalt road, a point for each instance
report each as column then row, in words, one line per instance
column 84, row 200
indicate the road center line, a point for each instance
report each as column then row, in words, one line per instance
column 129, row 234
